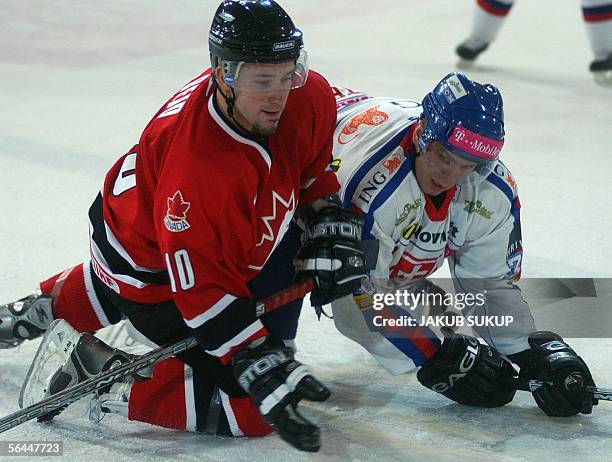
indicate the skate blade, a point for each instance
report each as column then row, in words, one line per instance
column 603, row 78
column 57, row 344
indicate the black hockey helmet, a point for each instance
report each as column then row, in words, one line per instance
column 255, row 31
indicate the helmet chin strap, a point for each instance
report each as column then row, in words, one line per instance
column 229, row 100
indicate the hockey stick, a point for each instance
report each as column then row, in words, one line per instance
column 524, row 384
column 76, row 392
column 532, row 384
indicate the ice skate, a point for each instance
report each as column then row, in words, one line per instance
column 468, row 52
column 602, row 70
column 25, row 319
column 114, row 401
column 77, row 357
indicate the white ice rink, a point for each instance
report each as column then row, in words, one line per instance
column 80, row 79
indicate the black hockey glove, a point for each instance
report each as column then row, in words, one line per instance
column 331, row 254
column 277, row 383
column 469, row 373
column 552, row 360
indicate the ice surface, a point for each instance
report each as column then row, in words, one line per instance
column 79, row 80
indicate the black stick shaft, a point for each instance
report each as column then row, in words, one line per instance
column 76, row 392
column 532, row 384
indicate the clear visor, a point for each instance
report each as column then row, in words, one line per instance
column 262, row 77
column 447, row 163
column 455, row 167
column 480, row 174
column 477, row 148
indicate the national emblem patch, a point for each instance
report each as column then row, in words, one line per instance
column 176, row 216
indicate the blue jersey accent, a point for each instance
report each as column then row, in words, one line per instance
column 401, row 342
column 405, row 346
column 383, row 195
column 502, row 186
column 515, row 210
column 369, row 164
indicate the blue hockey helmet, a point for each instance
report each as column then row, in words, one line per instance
column 467, row 118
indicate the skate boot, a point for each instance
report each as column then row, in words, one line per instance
column 77, row 357
column 25, row 319
column 115, row 401
column 602, row 70
column 468, row 52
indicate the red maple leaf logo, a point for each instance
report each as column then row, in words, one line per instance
column 177, row 207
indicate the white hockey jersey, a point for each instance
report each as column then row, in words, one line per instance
column 476, row 225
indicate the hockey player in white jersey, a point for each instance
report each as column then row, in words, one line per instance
column 427, row 179
column 490, row 15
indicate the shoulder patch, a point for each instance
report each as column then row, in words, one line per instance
column 504, row 173
column 504, row 181
column 370, row 117
column 176, row 216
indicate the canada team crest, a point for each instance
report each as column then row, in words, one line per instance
column 176, row 216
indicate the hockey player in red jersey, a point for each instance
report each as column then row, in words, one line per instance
column 428, row 180
column 186, row 221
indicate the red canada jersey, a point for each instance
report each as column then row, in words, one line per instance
column 194, row 210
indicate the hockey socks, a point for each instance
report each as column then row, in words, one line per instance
column 75, row 299
column 487, row 21
column 178, row 398
column 597, row 16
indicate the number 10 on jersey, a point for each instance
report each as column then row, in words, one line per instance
column 179, row 264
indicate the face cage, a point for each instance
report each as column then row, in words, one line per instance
column 231, row 76
column 484, row 169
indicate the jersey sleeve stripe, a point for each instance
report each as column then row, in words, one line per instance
column 237, row 340
column 191, row 418
column 408, row 348
column 210, row 313
column 515, row 211
column 501, row 185
column 365, row 168
column 114, row 242
column 93, row 298
column 229, row 413
column 112, row 257
column 418, row 343
column 386, row 192
column 98, row 259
